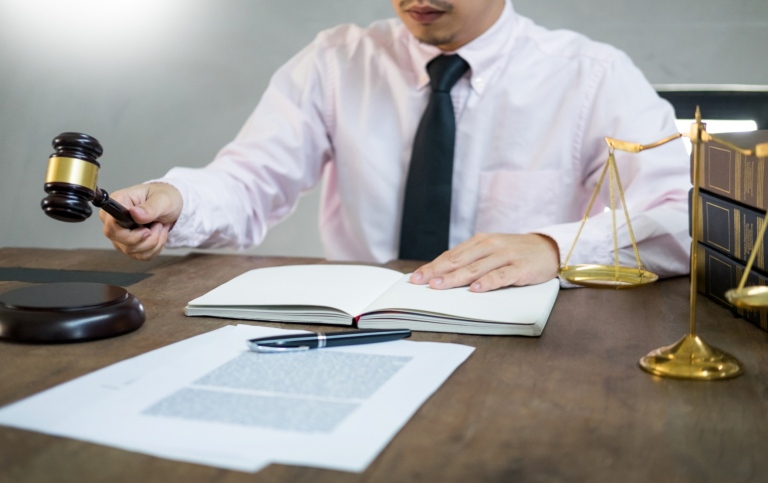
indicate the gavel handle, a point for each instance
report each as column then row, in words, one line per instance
column 119, row 212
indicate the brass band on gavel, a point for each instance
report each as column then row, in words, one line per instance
column 72, row 171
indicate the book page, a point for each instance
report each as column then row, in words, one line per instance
column 516, row 305
column 45, row 411
column 348, row 288
column 223, row 405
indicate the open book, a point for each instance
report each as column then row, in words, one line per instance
column 375, row 297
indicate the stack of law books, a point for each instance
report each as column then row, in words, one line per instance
column 733, row 200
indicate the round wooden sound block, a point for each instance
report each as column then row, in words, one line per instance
column 68, row 312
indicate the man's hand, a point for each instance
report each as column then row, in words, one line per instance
column 490, row 261
column 155, row 203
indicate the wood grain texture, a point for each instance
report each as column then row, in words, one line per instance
column 571, row 405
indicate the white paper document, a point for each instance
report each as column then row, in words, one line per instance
column 210, row 400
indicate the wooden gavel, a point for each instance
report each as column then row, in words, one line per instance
column 71, row 182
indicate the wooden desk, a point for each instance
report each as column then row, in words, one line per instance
column 571, row 405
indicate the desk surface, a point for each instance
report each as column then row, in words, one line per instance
column 572, row 405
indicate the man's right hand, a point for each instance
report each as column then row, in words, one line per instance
column 157, row 205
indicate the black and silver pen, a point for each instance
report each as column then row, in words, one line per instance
column 300, row 342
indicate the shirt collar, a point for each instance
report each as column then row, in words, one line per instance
column 483, row 53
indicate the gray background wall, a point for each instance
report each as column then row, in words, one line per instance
column 168, row 82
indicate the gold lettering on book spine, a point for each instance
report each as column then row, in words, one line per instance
column 762, row 315
column 748, row 168
column 700, row 221
column 739, row 180
column 764, row 319
column 760, row 196
column 760, row 251
column 701, row 269
column 740, row 310
column 737, row 233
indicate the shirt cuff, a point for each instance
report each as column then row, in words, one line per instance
column 592, row 246
column 183, row 232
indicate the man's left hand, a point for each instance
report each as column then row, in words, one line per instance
column 490, row 261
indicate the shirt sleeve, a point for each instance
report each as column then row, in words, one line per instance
column 655, row 182
column 256, row 180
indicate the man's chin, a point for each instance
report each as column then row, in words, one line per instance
column 434, row 40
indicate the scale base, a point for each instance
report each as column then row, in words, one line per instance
column 691, row 358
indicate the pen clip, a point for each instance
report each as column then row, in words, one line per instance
column 266, row 349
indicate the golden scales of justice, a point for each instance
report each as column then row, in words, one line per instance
column 690, row 357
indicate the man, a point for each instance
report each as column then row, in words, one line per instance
column 531, row 114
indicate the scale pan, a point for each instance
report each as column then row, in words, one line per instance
column 755, row 297
column 607, row 276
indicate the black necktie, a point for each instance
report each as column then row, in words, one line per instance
column 427, row 201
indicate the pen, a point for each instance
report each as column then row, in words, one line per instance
column 302, row 342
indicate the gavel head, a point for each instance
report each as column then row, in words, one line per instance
column 71, row 177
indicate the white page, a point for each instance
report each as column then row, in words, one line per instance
column 519, row 305
column 41, row 410
column 45, row 411
column 348, row 288
column 327, row 410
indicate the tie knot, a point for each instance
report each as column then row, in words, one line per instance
column 445, row 71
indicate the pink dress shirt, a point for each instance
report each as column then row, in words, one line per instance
column 531, row 117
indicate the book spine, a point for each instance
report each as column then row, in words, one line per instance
column 717, row 273
column 731, row 228
column 733, row 176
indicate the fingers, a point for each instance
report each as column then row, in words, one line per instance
column 487, row 262
column 156, row 205
column 462, row 257
column 163, row 203
column 504, row 276
column 151, row 202
column 142, row 243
